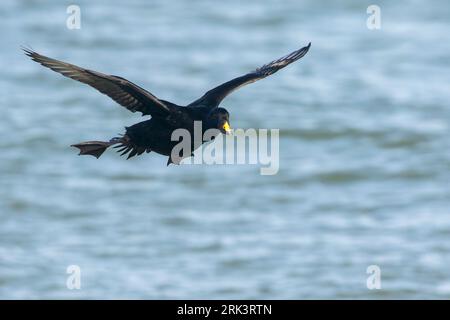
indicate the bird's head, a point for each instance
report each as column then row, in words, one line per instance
column 219, row 118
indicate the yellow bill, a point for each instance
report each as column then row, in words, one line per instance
column 226, row 127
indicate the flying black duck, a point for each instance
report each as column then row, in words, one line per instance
column 155, row 134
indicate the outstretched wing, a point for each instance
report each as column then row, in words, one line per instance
column 124, row 92
column 213, row 97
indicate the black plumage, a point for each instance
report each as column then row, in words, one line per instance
column 155, row 134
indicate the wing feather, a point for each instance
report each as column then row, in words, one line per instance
column 214, row 97
column 124, row 92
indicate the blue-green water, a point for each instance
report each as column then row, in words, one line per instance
column 364, row 153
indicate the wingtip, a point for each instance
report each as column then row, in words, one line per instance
column 28, row 51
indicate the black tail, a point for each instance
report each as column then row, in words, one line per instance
column 95, row 148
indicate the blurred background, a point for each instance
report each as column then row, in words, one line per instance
column 364, row 153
